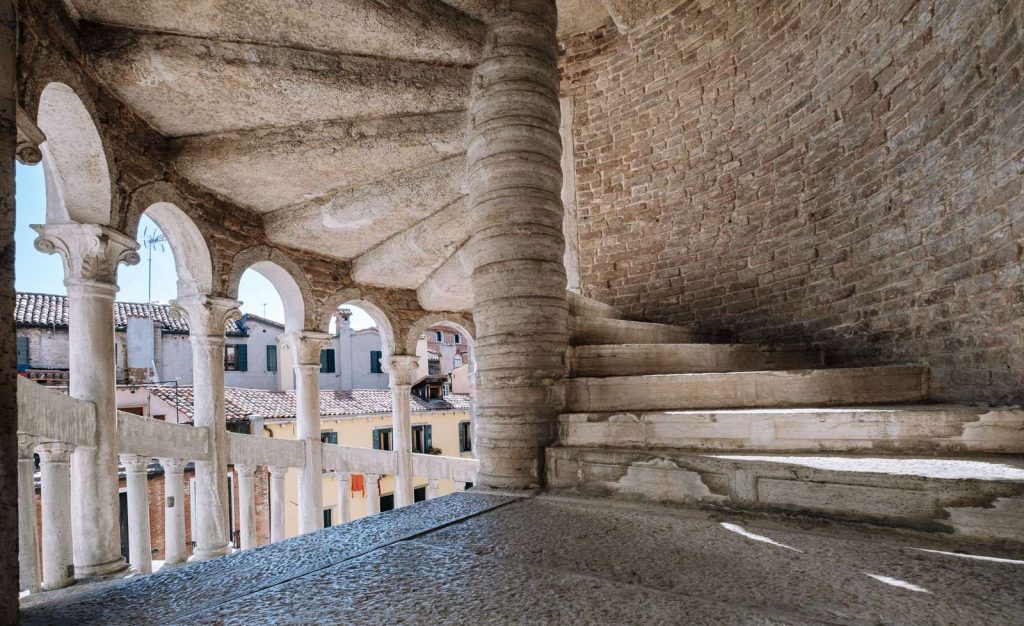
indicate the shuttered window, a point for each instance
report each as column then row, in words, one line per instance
column 271, row 358
column 465, row 441
column 327, row 361
column 375, row 357
column 22, row 353
column 236, row 358
column 382, row 439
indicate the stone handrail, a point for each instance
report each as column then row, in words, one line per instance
column 155, row 438
column 255, row 450
column 350, row 459
column 433, row 466
column 50, row 415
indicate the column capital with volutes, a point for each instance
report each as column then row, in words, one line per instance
column 207, row 316
column 402, row 369
column 90, row 252
column 306, row 346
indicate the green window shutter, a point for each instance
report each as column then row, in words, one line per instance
column 427, row 443
column 23, row 352
column 243, row 357
column 271, row 358
column 327, row 361
column 462, row 437
column 376, row 439
column 375, row 356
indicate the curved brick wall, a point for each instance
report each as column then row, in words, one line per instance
column 846, row 174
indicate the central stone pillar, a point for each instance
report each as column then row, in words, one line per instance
column 517, row 246
column 305, row 347
column 91, row 254
column 246, row 506
column 277, row 502
column 140, row 545
column 207, row 318
column 401, row 372
column 55, row 493
column 174, row 511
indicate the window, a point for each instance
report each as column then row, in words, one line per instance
column 238, row 426
column 387, row 503
column 327, row 518
column 271, row 358
column 457, row 339
column 327, row 361
column 382, row 439
column 465, row 439
column 421, row 442
column 329, row 436
column 439, row 335
column 134, row 410
column 22, row 353
column 419, row 494
column 375, row 357
column 236, row 358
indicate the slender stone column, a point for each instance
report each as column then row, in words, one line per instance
column 344, row 497
column 246, row 506
column 433, row 489
column 277, row 502
column 91, row 255
column 306, row 348
column 28, row 530
column 55, row 492
column 207, row 317
column 140, row 546
column 175, row 549
column 401, row 372
column 517, row 246
column 460, row 486
column 372, row 494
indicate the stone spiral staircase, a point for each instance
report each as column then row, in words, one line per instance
column 661, row 413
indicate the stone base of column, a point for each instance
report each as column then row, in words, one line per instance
column 104, row 571
column 212, row 553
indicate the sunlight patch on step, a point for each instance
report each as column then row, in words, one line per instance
column 977, row 557
column 896, row 582
column 749, row 535
column 932, row 468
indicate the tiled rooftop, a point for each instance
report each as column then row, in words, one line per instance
column 242, row 404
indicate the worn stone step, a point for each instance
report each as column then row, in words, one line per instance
column 582, row 306
column 764, row 389
column 973, row 498
column 603, row 331
column 683, row 358
column 892, row 429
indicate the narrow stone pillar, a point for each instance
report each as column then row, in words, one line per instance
column 401, row 372
column 305, row 348
column 277, row 502
column 28, row 529
column 433, row 489
column 372, row 494
column 517, row 246
column 460, row 486
column 55, row 493
column 207, row 317
column 344, row 497
column 175, row 548
column 140, row 546
column 246, row 506
column 91, row 254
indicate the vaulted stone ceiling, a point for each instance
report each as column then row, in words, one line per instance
column 341, row 121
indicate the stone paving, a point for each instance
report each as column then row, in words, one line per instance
column 475, row 558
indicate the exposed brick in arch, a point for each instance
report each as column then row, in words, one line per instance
column 842, row 173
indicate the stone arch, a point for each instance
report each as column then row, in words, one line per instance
column 456, row 321
column 287, row 277
column 162, row 203
column 79, row 187
column 379, row 311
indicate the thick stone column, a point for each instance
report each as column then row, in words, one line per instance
column 372, row 494
column 55, row 493
column 401, row 372
column 28, row 529
column 344, row 497
column 277, row 502
column 305, row 348
column 207, row 317
column 140, row 546
column 175, row 548
column 246, row 506
column 517, row 246
column 91, row 255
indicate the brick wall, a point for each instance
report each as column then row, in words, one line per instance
column 847, row 173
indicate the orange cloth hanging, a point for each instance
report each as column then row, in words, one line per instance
column 358, row 484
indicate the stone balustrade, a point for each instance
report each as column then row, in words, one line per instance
column 53, row 425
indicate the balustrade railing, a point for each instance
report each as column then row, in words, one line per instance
column 52, row 425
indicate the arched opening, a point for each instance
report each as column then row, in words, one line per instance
column 361, row 349
column 78, row 181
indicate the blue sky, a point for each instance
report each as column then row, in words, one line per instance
column 43, row 273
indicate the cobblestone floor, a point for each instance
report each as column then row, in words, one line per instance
column 474, row 558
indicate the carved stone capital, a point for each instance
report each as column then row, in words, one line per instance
column 134, row 463
column 402, row 369
column 26, row 446
column 55, row 452
column 306, row 346
column 277, row 472
column 173, row 466
column 90, row 252
column 30, row 137
column 245, row 471
column 207, row 316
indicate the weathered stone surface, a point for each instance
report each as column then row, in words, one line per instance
column 636, row 359
column 600, row 330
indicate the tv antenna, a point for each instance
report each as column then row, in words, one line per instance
column 152, row 239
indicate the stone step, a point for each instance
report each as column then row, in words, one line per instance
column 582, row 306
column 895, row 429
column 765, row 389
column 974, row 498
column 685, row 358
column 604, row 331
